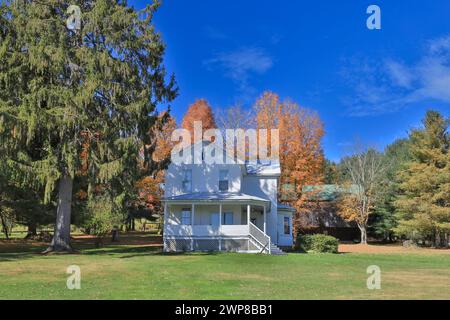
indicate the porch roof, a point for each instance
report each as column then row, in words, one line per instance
column 215, row 197
column 283, row 207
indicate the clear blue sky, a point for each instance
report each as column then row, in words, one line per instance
column 368, row 85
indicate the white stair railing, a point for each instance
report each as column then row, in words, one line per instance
column 260, row 237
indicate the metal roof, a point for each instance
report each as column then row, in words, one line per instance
column 327, row 192
column 215, row 196
column 284, row 207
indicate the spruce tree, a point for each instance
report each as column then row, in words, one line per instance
column 424, row 205
column 63, row 87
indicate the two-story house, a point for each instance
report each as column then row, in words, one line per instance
column 225, row 207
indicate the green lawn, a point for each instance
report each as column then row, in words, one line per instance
column 139, row 272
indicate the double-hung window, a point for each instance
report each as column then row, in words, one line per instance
column 187, row 181
column 223, row 180
column 287, row 226
column 186, row 216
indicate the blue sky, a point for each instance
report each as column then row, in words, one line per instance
column 366, row 85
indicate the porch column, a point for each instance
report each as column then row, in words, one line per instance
column 192, row 224
column 248, row 223
column 165, row 226
column 220, row 227
column 265, row 219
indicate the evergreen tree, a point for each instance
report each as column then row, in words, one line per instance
column 384, row 219
column 62, row 88
column 424, row 205
column 330, row 172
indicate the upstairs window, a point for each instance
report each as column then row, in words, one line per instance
column 223, row 180
column 187, row 181
column 186, row 216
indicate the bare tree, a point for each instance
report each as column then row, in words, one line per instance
column 365, row 173
column 235, row 117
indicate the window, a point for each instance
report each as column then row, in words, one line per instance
column 228, row 218
column 223, row 180
column 187, row 181
column 287, row 226
column 215, row 219
column 186, row 216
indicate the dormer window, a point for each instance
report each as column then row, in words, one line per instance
column 223, row 180
column 187, row 181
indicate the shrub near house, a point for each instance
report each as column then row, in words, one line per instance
column 320, row 243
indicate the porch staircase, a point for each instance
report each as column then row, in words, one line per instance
column 275, row 250
column 262, row 241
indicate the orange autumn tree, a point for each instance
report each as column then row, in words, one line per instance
column 200, row 110
column 301, row 154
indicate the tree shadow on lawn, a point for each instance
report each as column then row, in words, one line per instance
column 134, row 242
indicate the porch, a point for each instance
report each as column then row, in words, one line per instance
column 216, row 224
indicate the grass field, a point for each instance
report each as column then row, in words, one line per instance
column 139, row 270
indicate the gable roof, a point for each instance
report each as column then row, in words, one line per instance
column 263, row 168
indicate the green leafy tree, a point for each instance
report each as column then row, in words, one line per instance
column 62, row 88
column 424, row 204
column 101, row 215
column 21, row 203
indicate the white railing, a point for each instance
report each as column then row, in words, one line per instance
column 260, row 237
column 206, row 230
column 256, row 235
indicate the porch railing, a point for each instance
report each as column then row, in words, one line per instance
column 260, row 237
column 206, row 230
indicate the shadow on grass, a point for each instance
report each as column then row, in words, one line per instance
column 14, row 256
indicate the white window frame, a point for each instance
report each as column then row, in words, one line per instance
column 224, row 179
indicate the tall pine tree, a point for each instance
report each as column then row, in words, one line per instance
column 424, row 205
column 62, row 88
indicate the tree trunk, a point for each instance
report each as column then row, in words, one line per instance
column 363, row 230
column 5, row 227
column 32, row 231
column 446, row 240
column 61, row 236
column 437, row 239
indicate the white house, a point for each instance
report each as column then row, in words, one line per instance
column 225, row 207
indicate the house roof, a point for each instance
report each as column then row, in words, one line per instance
column 284, row 207
column 327, row 192
column 215, row 196
column 263, row 168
